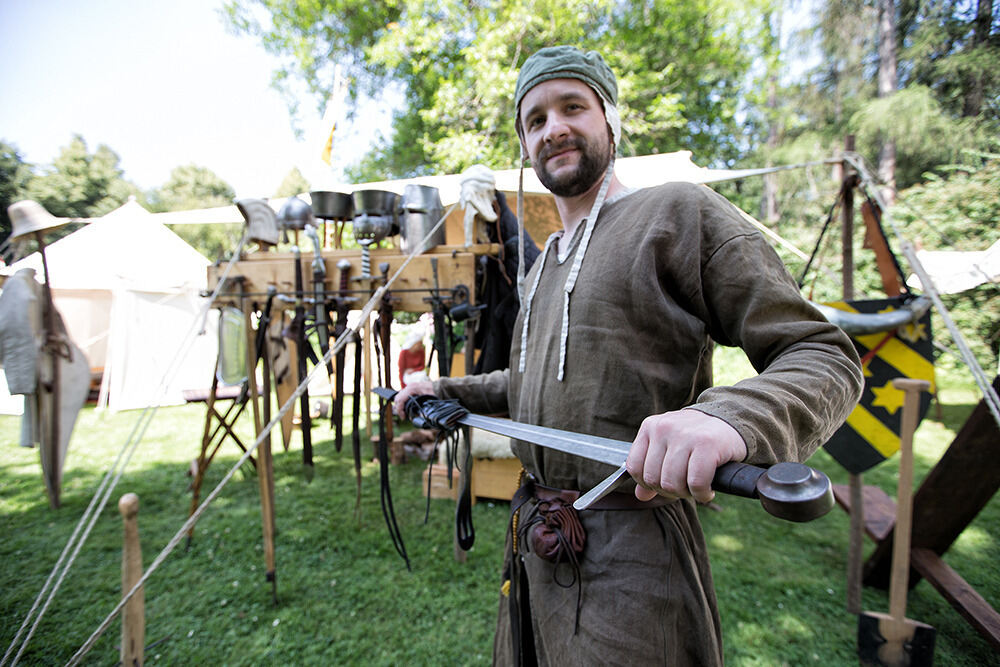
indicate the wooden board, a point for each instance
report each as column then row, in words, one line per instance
column 284, row 362
column 959, row 594
column 879, row 509
column 456, row 266
column 439, row 482
column 491, row 478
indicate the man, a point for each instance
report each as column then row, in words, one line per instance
column 615, row 339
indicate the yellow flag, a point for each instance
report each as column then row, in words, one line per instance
column 332, row 113
column 328, row 148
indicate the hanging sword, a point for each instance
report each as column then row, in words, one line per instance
column 791, row 491
column 321, row 314
column 299, row 326
column 337, row 414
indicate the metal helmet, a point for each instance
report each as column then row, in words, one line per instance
column 295, row 214
column 262, row 224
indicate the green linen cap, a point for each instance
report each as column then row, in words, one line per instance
column 566, row 62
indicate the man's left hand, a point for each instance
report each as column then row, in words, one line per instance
column 675, row 454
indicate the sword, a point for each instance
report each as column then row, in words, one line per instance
column 321, row 313
column 305, row 421
column 442, row 332
column 787, row 490
column 338, row 398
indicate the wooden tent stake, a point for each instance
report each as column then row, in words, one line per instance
column 134, row 613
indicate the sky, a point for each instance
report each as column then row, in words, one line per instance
column 163, row 85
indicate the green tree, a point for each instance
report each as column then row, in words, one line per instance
column 959, row 211
column 924, row 114
column 948, row 87
column 192, row 187
column 953, row 47
column 80, row 183
column 455, row 66
column 293, row 184
column 14, row 176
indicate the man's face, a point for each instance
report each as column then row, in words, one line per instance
column 566, row 135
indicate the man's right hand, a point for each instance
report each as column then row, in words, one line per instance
column 412, row 389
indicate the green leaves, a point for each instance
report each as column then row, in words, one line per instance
column 681, row 65
column 80, row 183
column 14, row 177
column 191, row 186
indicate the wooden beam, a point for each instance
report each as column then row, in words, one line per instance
column 880, row 509
column 959, row 594
column 456, row 266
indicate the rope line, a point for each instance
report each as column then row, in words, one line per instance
column 111, row 477
column 340, row 343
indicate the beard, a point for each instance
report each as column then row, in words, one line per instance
column 593, row 162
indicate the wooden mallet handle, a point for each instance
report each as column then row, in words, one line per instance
column 904, row 502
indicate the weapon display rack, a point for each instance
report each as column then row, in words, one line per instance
column 441, row 270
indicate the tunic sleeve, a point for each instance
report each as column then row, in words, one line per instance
column 809, row 373
column 485, row 393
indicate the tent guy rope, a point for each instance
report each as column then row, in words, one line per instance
column 111, row 479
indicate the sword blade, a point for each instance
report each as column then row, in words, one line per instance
column 799, row 492
column 592, row 447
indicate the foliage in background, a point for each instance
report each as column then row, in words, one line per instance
column 293, row 184
column 949, row 53
column 14, row 176
column 952, row 46
column 88, row 185
column 959, row 211
column 455, row 64
column 78, row 184
column 193, row 187
column 190, row 187
column 81, row 184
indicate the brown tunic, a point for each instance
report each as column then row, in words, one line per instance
column 668, row 271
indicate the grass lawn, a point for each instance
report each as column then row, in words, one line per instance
column 345, row 596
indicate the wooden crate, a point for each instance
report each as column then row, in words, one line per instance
column 439, row 482
column 495, row 478
column 491, row 478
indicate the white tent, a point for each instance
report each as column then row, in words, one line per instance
column 954, row 271
column 128, row 289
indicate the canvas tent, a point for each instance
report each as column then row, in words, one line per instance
column 128, row 289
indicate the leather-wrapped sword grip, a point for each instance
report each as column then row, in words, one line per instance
column 428, row 411
column 738, row 479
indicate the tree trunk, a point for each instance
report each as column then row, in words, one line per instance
column 769, row 198
column 887, row 82
column 973, row 98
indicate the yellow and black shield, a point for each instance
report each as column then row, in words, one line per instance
column 871, row 433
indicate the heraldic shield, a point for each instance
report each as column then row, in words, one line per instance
column 871, row 434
